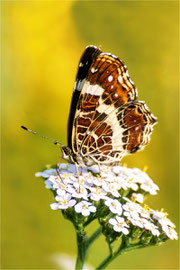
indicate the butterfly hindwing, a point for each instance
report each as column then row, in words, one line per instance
column 125, row 130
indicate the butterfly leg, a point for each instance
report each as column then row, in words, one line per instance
column 99, row 170
column 58, row 169
column 77, row 171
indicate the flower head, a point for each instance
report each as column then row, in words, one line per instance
column 117, row 194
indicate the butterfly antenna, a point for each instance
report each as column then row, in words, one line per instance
column 42, row 136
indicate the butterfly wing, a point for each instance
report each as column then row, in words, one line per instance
column 108, row 122
column 125, row 130
column 90, row 53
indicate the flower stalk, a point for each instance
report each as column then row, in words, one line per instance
column 82, row 248
column 83, row 243
column 123, row 249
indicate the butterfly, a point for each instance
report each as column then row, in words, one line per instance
column 106, row 122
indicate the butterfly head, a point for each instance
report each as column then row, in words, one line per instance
column 67, row 154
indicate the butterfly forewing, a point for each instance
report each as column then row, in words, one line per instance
column 108, row 123
column 90, row 53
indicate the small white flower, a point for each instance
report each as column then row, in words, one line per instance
column 119, row 224
column 139, row 222
column 166, row 222
column 85, row 208
column 68, row 177
column 97, row 193
column 162, row 219
column 48, row 184
column 153, row 228
column 159, row 215
column 132, row 210
column 105, row 170
column 46, row 173
column 78, row 191
column 55, row 180
column 60, row 192
column 145, row 211
column 63, row 201
column 111, row 188
column 98, row 181
column 58, row 183
column 130, row 183
column 114, row 206
column 117, row 169
column 139, row 176
column 70, row 168
column 167, row 225
column 138, row 197
column 87, row 183
column 170, row 232
column 150, row 187
column 63, row 166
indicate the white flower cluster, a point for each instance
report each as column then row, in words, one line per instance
column 83, row 192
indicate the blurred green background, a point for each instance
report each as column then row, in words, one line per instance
column 41, row 46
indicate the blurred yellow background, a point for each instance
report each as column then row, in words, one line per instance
column 42, row 42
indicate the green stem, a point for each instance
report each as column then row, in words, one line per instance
column 94, row 236
column 81, row 245
column 120, row 251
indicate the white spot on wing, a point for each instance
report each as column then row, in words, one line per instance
column 114, row 123
column 81, row 64
column 93, row 70
column 95, row 90
column 110, row 78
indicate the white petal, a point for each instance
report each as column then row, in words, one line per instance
column 85, row 212
column 48, row 184
column 54, row 206
column 78, row 208
column 71, row 203
column 125, row 231
column 117, row 228
column 112, row 221
column 67, row 196
column 119, row 219
column 61, row 192
column 92, row 208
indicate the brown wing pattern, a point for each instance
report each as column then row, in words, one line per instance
column 108, row 122
column 125, row 130
column 107, row 83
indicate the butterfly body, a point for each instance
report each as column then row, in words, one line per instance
column 106, row 122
